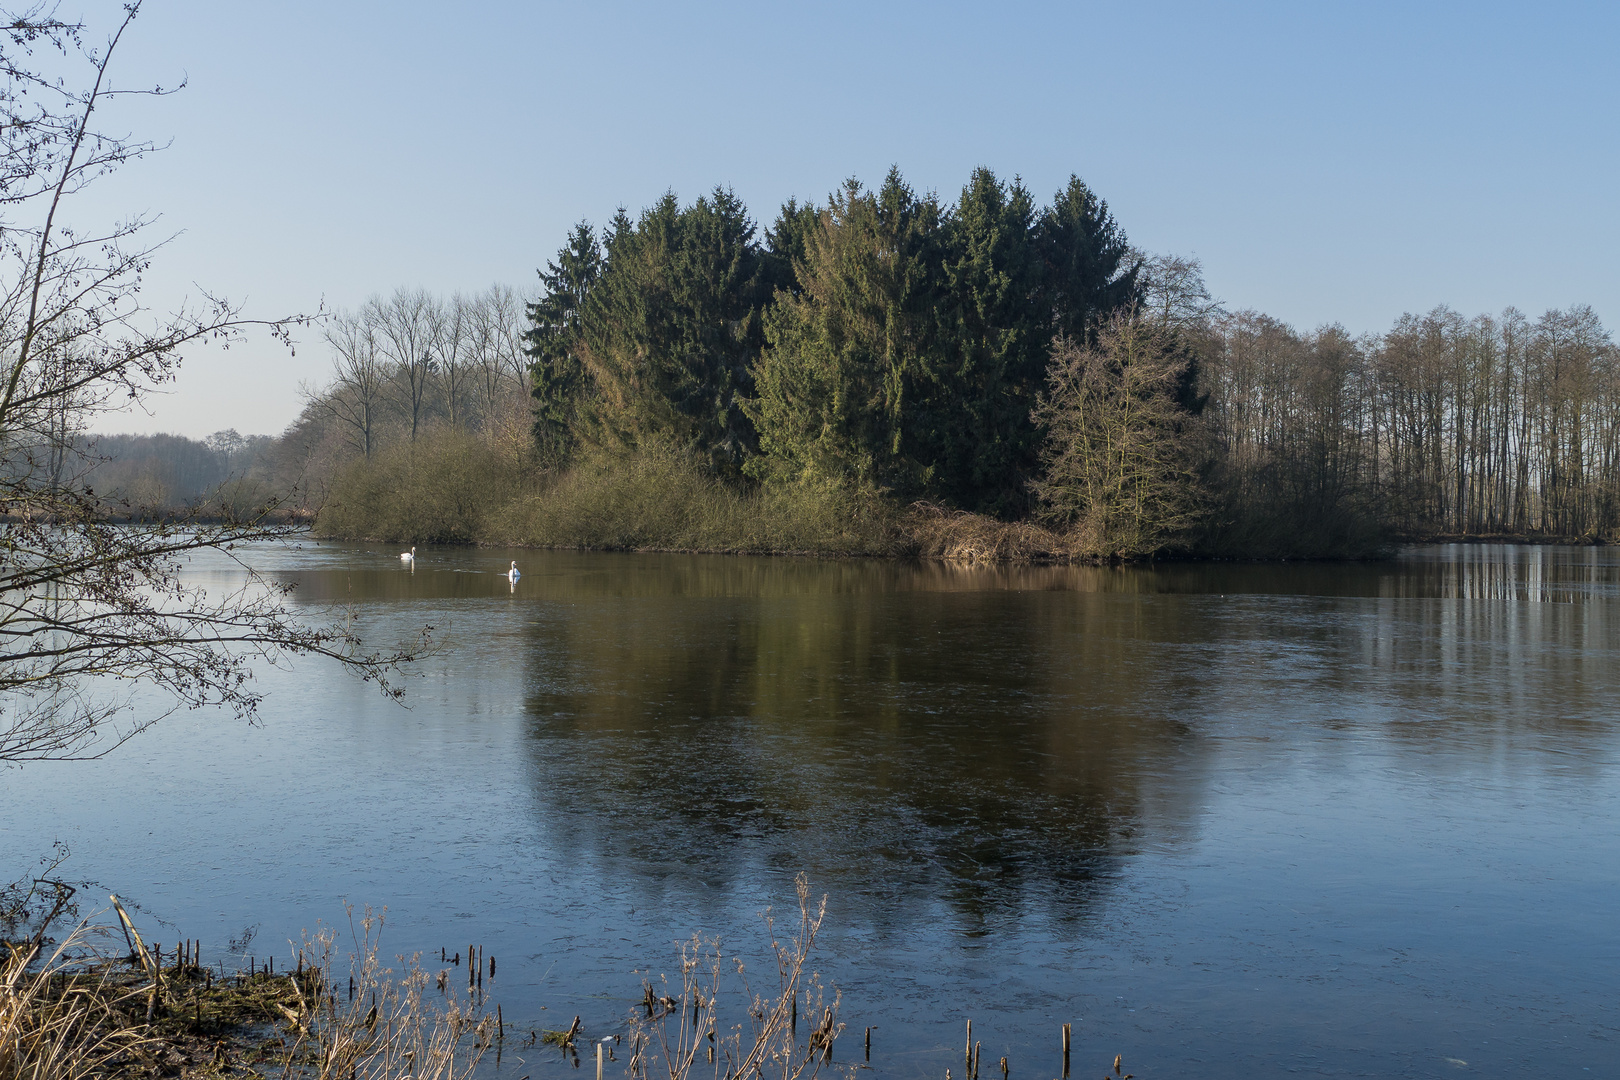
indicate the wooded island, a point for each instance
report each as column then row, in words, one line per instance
column 888, row 373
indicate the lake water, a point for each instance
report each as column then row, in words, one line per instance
column 1226, row 820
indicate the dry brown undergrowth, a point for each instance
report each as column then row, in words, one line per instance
column 57, row 1023
column 681, row 1035
column 941, row 533
column 81, row 1011
column 78, row 1011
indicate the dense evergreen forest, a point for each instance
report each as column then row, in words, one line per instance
column 886, row 342
column 890, row 372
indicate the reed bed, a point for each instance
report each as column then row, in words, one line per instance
column 82, row 1011
column 682, row 1035
column 384, row 1025
column 61, row 1019
column 680, row 1031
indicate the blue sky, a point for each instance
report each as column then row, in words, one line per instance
column 1329, row 163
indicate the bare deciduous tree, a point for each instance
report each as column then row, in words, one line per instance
column 405, row 323
column 89, row 608
column 1121, row 454
column 499, row 323
column 1173, row 292
column 1442, row 425
column 451, row 330
column 357, row 396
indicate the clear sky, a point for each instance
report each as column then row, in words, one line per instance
column 1329, row 163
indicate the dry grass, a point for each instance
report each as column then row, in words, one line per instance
column 941, row 533
column 62, row 1021
column 80, row 1011
column 381, row 1026
column 446, row 488
column 76, row 1011
column 678, row 1032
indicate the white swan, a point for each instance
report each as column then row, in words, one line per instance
column 408, row 556
column 513, row 574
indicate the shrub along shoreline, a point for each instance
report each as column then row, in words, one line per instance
column 453, row 488
column 456, row 489
column 895, row 374
column 449, row 489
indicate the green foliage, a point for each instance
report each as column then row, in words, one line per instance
column 993, row 339
column 662, row 497
column 1088, row 273
column 553, row 342
column 447, row 487
column 851, row 350
column 697, row 386
column 884, row 343
column 451, row 488
column 786, row 243
column 909, row 355
column 669, row 332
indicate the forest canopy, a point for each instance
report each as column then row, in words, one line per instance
column 891, row 371
column 886, row 341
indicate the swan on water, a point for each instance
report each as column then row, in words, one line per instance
column 513, row 574
column 408, row 556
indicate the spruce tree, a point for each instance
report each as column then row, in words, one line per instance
column 785, row 243
column 974, row 426
column 850, row 353
column 671, row 331
column 883, row 341
column 556, row 365
column 1088, row 267
column 910, row 353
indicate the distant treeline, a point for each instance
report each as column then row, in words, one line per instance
column 1441, row 426
column 149, row 476
column 163, row 472
column 414, row 362
column 986, row 360
column 411, row 369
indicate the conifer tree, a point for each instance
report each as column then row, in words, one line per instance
column 1089, row 270
column 884, row 341
column 553, row 343
column 851, row 351
column 910, row 354
column 785, row 243
column 993, row 344
column 670, row 331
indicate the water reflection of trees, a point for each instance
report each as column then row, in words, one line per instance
column 990, row 743
column 910, row 733
column 1531, row 573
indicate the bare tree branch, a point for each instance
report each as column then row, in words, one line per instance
column 91, row 610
